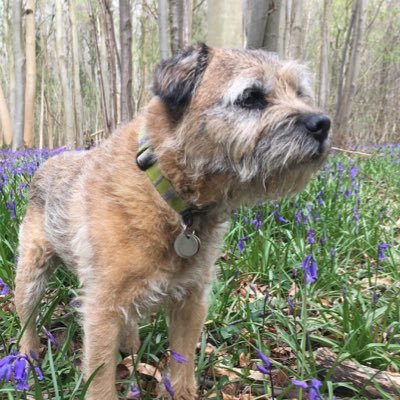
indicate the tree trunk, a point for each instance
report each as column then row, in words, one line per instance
column 163, row 28
column 19, row 63
column 255, row 16
column 126, row 60
column 345, row 97
column 5, row 120
column 104, row 90
column 30, row 88
column 181, row 24
column 323, row 88
column 296, row 35
column 225, row 23
column 75, row 73
column 68, row 107
column 111, row 53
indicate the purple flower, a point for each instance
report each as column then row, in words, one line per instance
column 279, row 217
column 177, row 357
column 240, row 243
column 51, row 337
column 310, row 236
column 21, row 374
column 264, row 359
column 314, row 389
column 299, row 216
column 291, row 304
column 4, row 289
column 262, row 369
column 310, row 269
column 19, row 368
column 353, row 171
column 314, row 386
column 134, row 391
column 375, row 297
column 168, row 386
column 381, row 251
column 6, row 367
column 299, row 383
column 39, row 373
column 256, row 223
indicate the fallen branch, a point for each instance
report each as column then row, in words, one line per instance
column 370, row 381
column 359, row 153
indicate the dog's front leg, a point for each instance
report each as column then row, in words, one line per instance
column 101, row 342
column 186, row 320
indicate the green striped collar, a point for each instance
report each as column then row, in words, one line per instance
column 147, row 161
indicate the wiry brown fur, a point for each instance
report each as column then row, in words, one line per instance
column 100, row 214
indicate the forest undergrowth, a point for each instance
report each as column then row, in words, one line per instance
column 318, row 270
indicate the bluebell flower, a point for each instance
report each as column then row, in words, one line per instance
column 20, row 368
column 299, row 217
column 310, row 236
column 262, row 369
column 375, row 297
column 134, row 391
column 168, row 386
column 381, row 251
column 240, row 243
column 4, row 289
column 51, row 337
column 299, row 383
column 6, row 367
column 264, row 359
column 314, row 389
column 278, row 216
column 291, row 303
column 313, row 386
column 178, row 357
column 353, row 171
column 310, row 269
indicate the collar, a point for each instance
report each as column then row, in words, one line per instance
column 146, row 159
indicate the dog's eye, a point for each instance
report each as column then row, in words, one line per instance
column 252, row 99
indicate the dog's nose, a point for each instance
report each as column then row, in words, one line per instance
column 318, row 125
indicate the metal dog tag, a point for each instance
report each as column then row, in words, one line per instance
column 187, row 244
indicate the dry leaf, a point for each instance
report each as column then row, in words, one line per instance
column 149, row 370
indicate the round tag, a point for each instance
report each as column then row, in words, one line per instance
column 187, row 245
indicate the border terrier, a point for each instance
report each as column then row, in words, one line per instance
column 140, row 219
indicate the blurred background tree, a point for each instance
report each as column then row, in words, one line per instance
column 71, row 71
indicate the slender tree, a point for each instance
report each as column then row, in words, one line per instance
column 346, row 93
column 111, row 51
column 224, row 21
column 262, row 19
column 296, row 30
column 181, row 24
column 68, row 107
column 76, row 72
column 30, row 88
column 125, row 20
column 19, row 64
column 5, row 120
column 163, row 28
column 323, row 88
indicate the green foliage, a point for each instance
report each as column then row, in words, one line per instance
column 260, row 300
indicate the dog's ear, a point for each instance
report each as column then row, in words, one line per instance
column 175, row 79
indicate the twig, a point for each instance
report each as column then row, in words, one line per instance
column 360, row 153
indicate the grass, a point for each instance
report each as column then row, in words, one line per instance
column 260, row 301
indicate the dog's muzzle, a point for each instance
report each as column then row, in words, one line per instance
column 317, row 125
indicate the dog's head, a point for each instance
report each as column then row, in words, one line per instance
column 245, row 114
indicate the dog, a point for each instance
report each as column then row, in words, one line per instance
column 141, row 218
